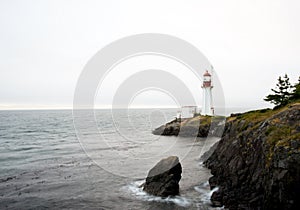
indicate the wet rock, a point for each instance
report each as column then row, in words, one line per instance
column 217, row 199
column 163, row 179
column 170, row 129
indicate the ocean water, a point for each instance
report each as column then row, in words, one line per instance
column 47, row 162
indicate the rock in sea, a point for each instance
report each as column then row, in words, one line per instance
column 163, row 179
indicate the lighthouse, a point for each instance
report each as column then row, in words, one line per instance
column 207, row 107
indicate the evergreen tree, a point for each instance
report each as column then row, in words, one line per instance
column 296, row 92
column 282, row 92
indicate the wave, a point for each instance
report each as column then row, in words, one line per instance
column 26, row 148
column 206, row 193
column 136, row 189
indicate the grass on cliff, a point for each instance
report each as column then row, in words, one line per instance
column 258, row 116
column 204, row 120
column 278, row 132
column 281, row 135
column 253, row 116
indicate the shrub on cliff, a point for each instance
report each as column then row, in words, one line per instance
column 284, row 92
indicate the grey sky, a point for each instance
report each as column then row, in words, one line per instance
column 44, row 45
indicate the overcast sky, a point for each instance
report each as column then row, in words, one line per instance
column 44, row 45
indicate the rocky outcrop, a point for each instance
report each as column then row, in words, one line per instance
column 163, row 179
column 170, row 129
column 200, row 126
column 256, row 164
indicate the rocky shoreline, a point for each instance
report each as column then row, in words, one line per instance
column 256, row 164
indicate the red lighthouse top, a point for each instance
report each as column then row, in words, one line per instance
column 207, row 74
column 207, row 80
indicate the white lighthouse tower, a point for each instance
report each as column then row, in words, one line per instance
column 207, row 107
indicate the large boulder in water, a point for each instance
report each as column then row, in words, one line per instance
column 163, row 179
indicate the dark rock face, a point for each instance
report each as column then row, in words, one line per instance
column 170, row 129
column 163, row 179
column 256, row 164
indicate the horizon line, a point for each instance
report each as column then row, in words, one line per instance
column 71, row 108
column 104, row 108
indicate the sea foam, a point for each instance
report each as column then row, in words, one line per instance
column 135, row 189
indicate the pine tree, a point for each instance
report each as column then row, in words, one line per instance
column 296, row 92
column 282, row 92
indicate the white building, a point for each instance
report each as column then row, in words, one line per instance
column 207, row 106
column 188, row 111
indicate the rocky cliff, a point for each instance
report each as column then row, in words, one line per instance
column 256, row 164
